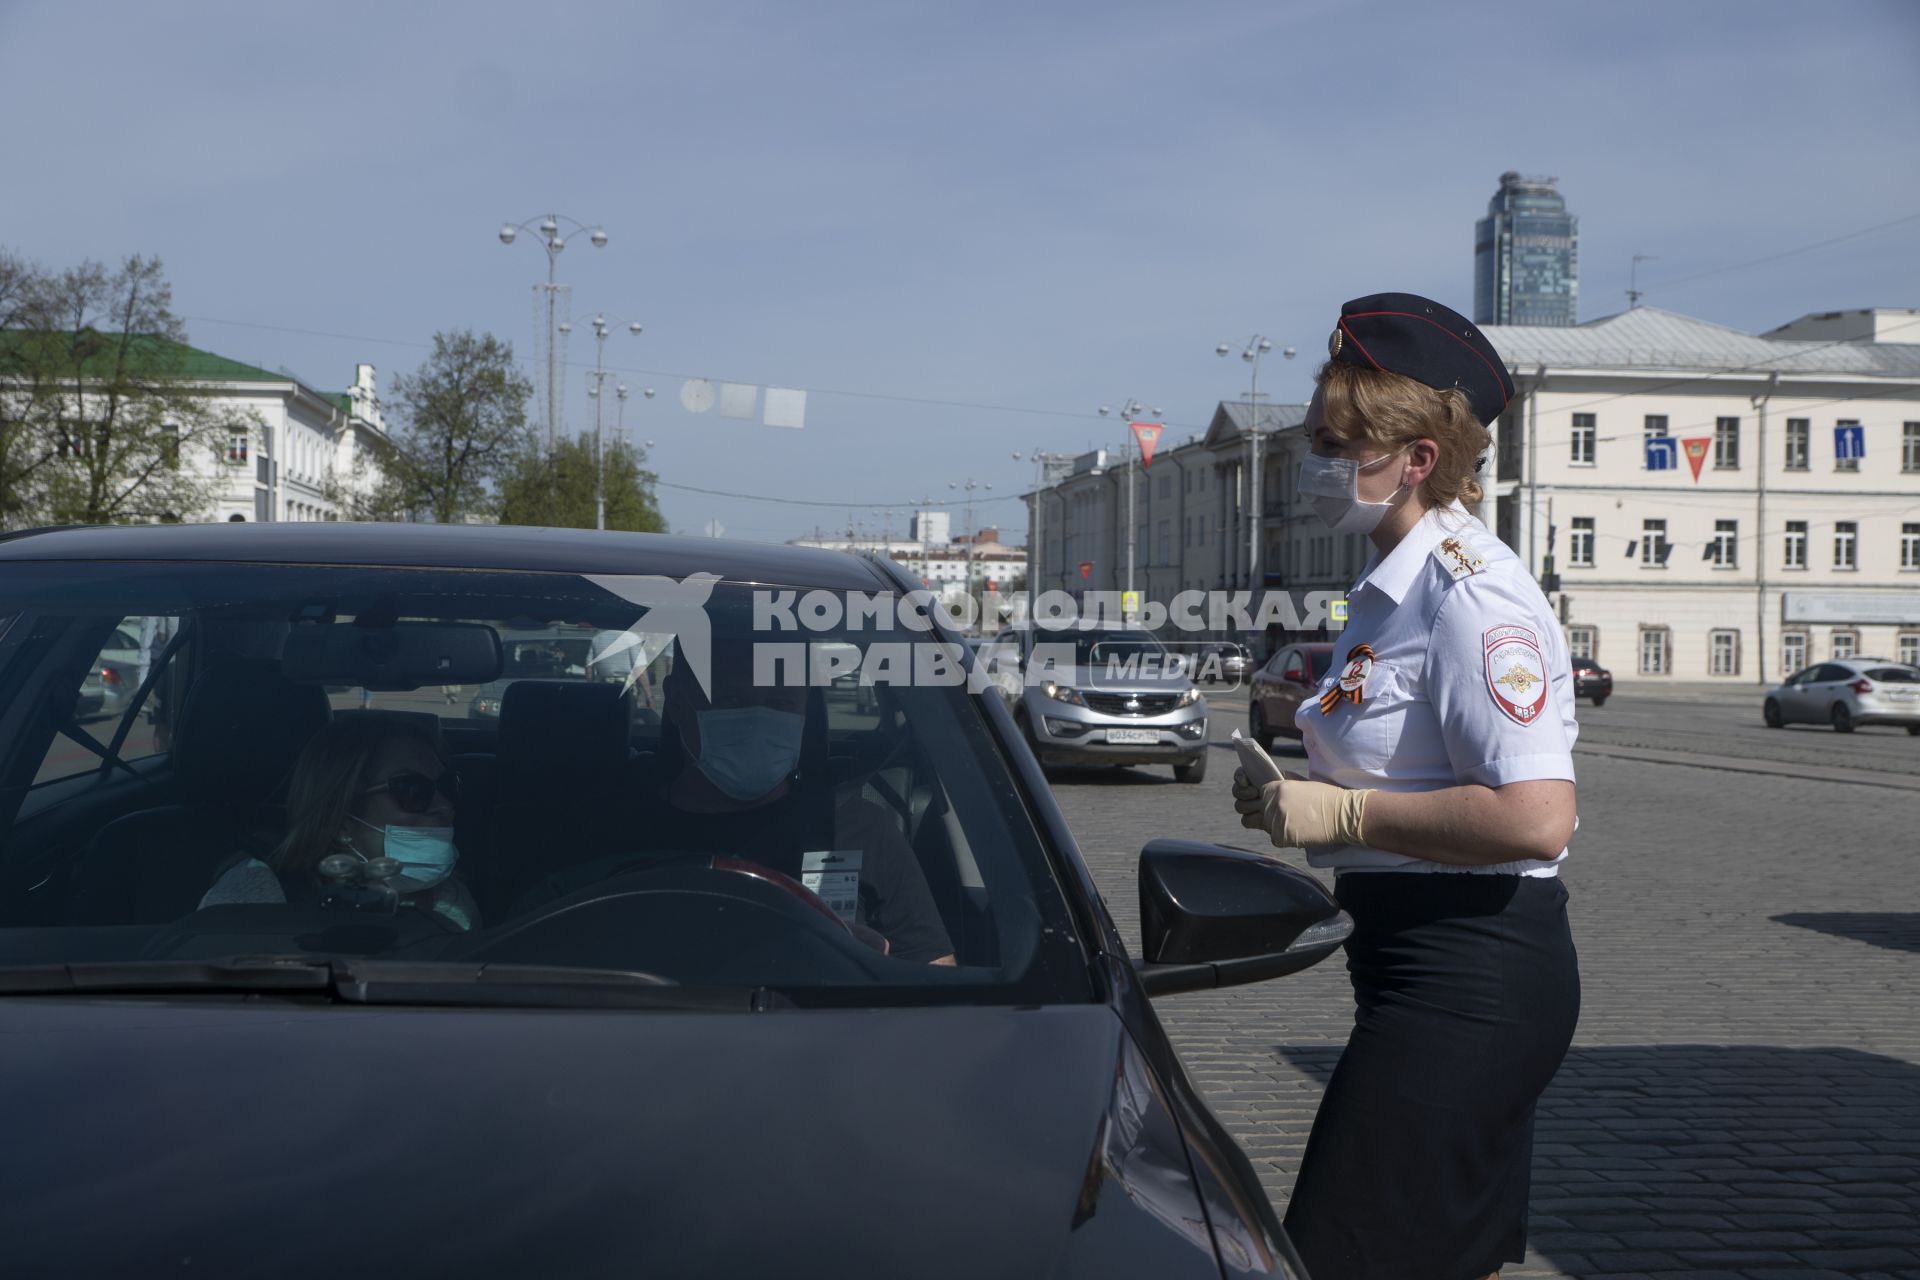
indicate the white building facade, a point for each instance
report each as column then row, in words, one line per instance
column 1714, row 505
column 304, row 449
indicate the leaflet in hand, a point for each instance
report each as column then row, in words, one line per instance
column 1256, row 763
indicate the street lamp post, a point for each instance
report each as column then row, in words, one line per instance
column 553, row 243
column 599, row 377
column 1257, row 346
column 1130, row 413
column 1036, row 523
column 969, row 485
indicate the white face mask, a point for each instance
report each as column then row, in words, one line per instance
column 1334, row 486
column 748, row 751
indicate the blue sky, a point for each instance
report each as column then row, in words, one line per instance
column 1042, row 207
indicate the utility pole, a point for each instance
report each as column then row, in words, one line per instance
column 1633, row 278
column 1130, row 413
column 554, row 243
column 599, row 377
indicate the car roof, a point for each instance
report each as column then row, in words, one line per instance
column 452, row 546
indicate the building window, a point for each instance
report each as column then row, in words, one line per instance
column 170, row 445
column 237, row 446
column 1166, row 543
column 1910, row 446
column 1846, row 539
column 1726, row 444
column 1846, row 464
column 1909, row 648
column 1799, row 431
column 1581, row 642
column 1583, row 432
column 1580, row 545
column 1793, row 652
column 1910, row 546
column 1656, row 426
column 1845, row 644
column 1655, row 651
column 1796, row 544
column 1723, row 653
column 1724, row 550
column 1653, row 542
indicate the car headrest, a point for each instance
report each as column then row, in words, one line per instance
column 571, row 730
column 241, row 727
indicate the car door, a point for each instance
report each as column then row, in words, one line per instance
column 1279, row 697
column 1818, row 692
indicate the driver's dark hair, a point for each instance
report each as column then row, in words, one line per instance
column 329, row 779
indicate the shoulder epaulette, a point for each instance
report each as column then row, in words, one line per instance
column 1457, row 556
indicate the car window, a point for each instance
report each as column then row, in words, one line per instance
column 554, row 737
column 106, row 707
column 1894, row 675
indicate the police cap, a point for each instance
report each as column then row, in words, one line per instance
column 1407, row 334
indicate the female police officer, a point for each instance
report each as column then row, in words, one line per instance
column 1441, row 794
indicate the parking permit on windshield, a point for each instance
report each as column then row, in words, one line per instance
column 1259, row 766
column 834, row 874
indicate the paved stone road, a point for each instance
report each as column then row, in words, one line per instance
column 1743, row 1095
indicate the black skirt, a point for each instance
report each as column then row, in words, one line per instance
column 1419, row 1163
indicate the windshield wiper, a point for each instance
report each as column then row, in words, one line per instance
column 388, row 982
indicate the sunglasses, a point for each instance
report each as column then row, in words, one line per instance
column 414, row 791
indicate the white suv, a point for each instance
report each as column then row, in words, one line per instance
column 1847, row 692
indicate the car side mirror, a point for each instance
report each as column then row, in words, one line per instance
column 1213, row 916
column 1296, row 675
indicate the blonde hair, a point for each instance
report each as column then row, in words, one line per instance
column 328, row 780
column 1392, row 411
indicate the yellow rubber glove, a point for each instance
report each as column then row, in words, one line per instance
column 1296, row 812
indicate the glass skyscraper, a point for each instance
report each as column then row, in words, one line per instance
column 1526, row 256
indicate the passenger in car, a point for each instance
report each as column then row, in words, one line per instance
column 370, row 788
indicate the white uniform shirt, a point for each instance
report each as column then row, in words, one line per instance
column 1469, row 681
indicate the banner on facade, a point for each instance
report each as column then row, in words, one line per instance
column 1147, row 435
column 1697, row 453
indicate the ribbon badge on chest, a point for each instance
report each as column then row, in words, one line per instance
column 1352, row 680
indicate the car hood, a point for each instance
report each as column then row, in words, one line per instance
column 1096, row 680
column 265, row 1138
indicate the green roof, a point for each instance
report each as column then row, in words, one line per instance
column 202, row 366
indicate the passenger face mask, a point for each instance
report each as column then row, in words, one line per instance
column 1333, row 485
column 748, row 751
column 426, row 854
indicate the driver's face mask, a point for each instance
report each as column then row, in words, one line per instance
column 748, row 751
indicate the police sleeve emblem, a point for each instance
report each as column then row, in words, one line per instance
column 1516, row 672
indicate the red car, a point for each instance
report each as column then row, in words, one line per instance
column 1290, row 677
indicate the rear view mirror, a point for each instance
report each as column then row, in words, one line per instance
column 403, row 655
column 1212, row 916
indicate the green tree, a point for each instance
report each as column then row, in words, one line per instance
column 462, row 419
column 557, row 489
column 104, row 423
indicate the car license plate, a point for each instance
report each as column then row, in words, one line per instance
column 1133, row 737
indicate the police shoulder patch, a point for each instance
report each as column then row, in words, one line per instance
column 1457, row 556
column 1516, row 672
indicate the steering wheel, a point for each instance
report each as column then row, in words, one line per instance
column 707, row 920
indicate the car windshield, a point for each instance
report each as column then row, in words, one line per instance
column 508, row 768
column 1319, row 660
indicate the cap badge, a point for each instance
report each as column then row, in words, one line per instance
column 1334, row 343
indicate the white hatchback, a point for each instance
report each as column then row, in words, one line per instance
column 1847, row 692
